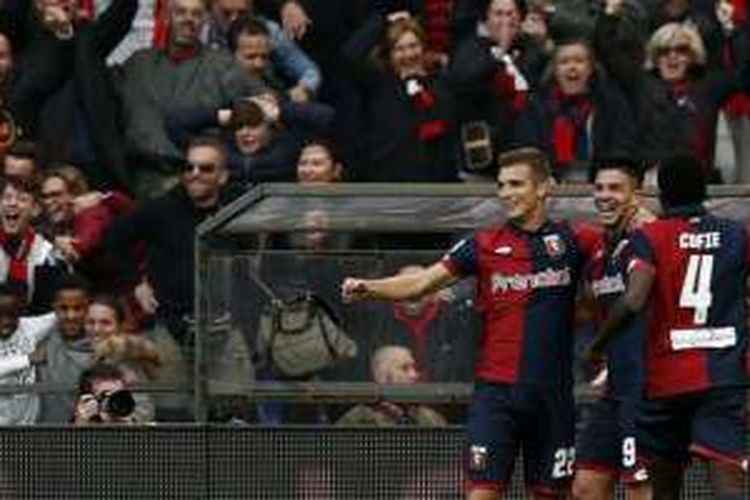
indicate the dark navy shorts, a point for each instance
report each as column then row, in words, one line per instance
column 537, row 422
column 709, row 424
column 609, row 442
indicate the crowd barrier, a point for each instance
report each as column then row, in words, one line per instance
column 208, row 462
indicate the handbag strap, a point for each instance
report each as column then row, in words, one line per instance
column 267, row 290
column 326, row 338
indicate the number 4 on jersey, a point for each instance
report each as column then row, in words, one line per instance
column 696, row 287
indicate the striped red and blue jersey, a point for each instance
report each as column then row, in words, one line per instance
column 696, row 334
column 526, row 288
column 606, row 275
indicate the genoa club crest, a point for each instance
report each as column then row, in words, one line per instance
column 477, row 458
column 554, row 245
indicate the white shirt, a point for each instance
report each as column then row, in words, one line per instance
column 16, row 368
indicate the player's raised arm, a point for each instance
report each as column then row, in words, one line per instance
column 400, row 287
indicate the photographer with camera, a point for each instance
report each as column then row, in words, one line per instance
column 103, row 397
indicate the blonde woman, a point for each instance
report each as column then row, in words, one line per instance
column 676, row 96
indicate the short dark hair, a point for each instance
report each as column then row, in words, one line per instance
column 15, row 289
column 26, row 184
column 625, row 164
column 576, row 39
column 207, row 141
column 112, row 302
column 682, row 180
column 328, row 145
column 520, row 5
column 535, row 158
column 246, row 113
column 246, row 25
column 99, row 371
column 73, row 282
column 23, row 149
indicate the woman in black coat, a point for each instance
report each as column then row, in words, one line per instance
column 577, row 116
column 408, row 121
column 492, row 73
column 677, row 97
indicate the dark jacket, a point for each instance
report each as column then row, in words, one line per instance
column 405, row 140
column 275, row 163
column 671, row 119
column 167, row 226
column 79, row 122
column 443, row 337
column 612, row 131
column 40, row 66
column 479, row 83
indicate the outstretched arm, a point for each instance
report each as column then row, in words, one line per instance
column 400, row 287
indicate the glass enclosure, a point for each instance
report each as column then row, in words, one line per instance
column 286, row 241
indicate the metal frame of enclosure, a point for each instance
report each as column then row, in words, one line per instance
column 363, row 208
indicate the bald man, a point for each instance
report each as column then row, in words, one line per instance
column 392, row 365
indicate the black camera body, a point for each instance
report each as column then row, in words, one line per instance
column 118, row 404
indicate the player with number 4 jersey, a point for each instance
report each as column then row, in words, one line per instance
column 692, row 268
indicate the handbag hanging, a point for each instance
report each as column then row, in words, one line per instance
column 300, row 336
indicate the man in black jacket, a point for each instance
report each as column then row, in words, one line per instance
column 492, row 73
column 78, row 123
column 167, row 227
column 31, row 67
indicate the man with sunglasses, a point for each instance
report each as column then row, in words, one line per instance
column 167, row 227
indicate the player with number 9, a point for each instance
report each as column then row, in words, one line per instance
column 691, row 268
column 607, row 448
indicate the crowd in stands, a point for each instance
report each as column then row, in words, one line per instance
column 125, row 123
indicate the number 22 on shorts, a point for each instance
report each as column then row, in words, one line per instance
column 564, row 460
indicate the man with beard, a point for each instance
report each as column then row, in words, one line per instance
column 156, row 82
column 608, row 449
column 167, row 225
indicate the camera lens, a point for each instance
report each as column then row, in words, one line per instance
column 119, row 403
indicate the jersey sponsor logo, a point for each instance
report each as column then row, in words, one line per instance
column 477, row 457
column 703, row 338
column 521, row 282
column 554, row 245
column 608, row 285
